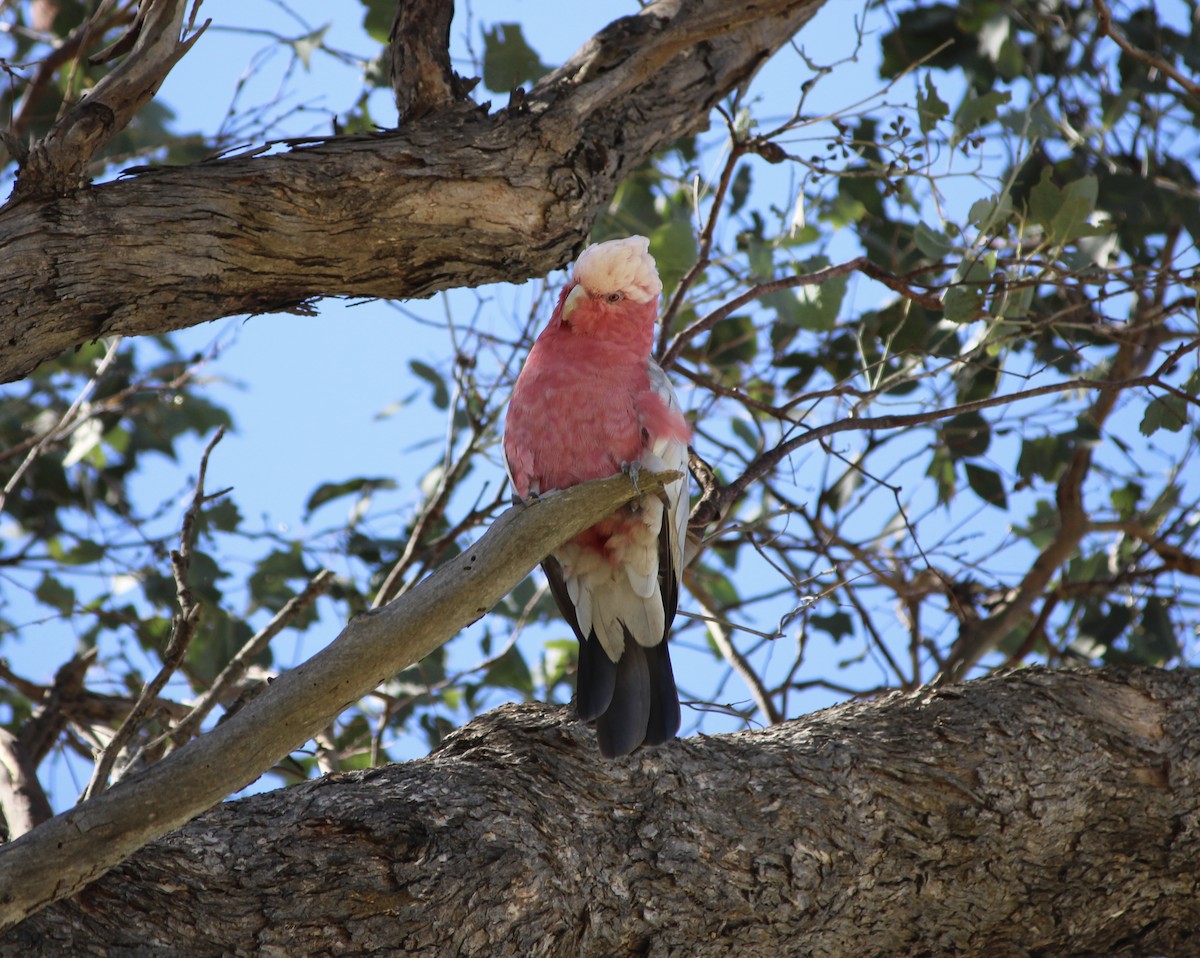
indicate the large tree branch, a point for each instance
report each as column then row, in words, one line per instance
column 62, row 855
column 57, row 162
column 455, row 198
column 1048, row 813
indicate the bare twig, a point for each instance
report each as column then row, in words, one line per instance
column 183, row 627
column 1105, row 26
column 768, row 460
column 62, row 855
column 704, row 252
column 1134, row 353
column 720, row 635
column 858, row 265
column 73, row 417
column 317, row 586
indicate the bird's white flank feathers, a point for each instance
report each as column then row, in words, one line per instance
column 608, row 595
column 620, row 266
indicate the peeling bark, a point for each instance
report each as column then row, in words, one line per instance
column 1039, row 813
column 459, row 197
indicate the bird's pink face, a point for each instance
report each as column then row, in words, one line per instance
column 614, row 284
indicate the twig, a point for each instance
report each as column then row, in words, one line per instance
column 704, row 251
column 720, row 635
column 858, row 265
column 317, row 586
column 1105, row 27
column 767, row 461
column 69, row 420
column 183, row 627
column 981, row 637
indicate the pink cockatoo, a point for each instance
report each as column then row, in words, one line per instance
column 590, row 402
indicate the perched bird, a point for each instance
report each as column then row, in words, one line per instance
column 590, row 402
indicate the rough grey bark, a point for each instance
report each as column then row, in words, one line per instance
column 61, row 855
column 459, row 197
column 1039, row 813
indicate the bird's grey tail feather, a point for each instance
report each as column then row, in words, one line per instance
column 633, row 701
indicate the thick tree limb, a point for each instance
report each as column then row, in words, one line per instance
column 457, row 198
column 58, row 161
column 419, row 52
column 23, row 802
column 1039, row 813
column 62, row 855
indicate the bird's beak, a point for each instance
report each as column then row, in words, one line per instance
column 574, row 298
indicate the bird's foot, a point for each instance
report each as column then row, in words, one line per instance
column 633, row 470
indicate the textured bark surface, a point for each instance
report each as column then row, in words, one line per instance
column 1040, row 813
column 459, row 197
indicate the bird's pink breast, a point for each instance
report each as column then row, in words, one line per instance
column 573, row 416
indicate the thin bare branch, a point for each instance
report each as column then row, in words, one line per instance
column 183, row 627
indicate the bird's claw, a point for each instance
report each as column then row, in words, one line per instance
column 633, row 470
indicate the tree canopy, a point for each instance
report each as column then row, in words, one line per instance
column 929, row 302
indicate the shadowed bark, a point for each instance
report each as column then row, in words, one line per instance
column 1038, row 813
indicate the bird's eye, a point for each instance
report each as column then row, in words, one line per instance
column 614, row 297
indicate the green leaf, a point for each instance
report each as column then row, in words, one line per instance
column 329, row 491
column 1156, row 639
column 1044, row 456
column 747, row 433
column 84, row 440
column 1045, row 199
column 305, row 46
column 217, row 640
column 377, row 21
column 987, row 484
column 203, row 576
column 441, row 395
column 83, row 552
column 974, row 111
column 1104, row 623
column 966, row 436
column 223, row 515
column 933, row 243
column 510, row 672
column 53, row 593
column 269, row 582
column 941, row 471
column 733, row 340
column 1041, row 527
column 1167, row 412
column 990, row 212
column 930, row 106
column 1078, row 203
column 739, row 189
column 963, row 304
column 838, row 625
column 508, row 60
column 558, row 659
column 673, row 246
column 1125, row 499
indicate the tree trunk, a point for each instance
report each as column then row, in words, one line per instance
column 1038, row 813
column 458, row 197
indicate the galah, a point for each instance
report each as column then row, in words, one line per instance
column 590, row 402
